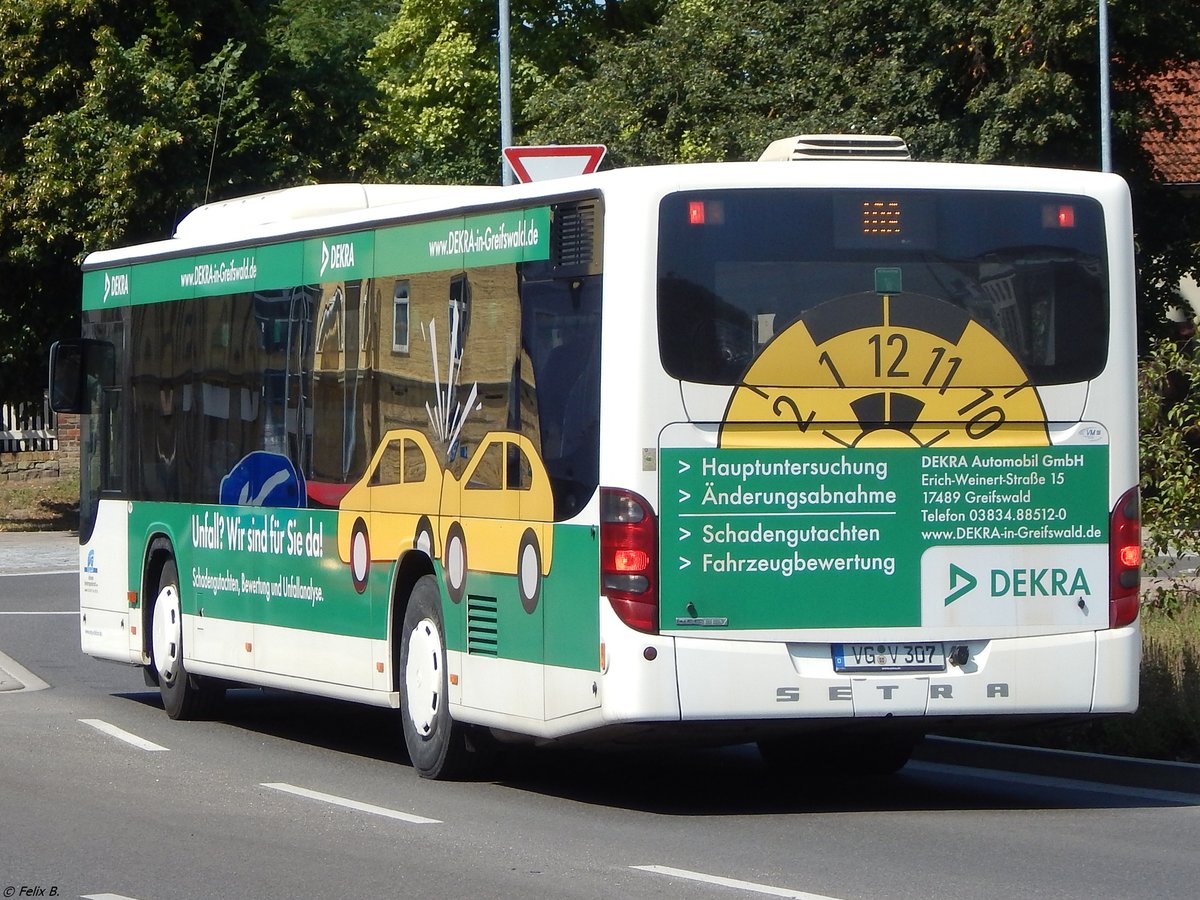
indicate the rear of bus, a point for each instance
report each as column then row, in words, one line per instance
column 886, row 421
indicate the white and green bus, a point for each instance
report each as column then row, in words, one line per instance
column 819, row 453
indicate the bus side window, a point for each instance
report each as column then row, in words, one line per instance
column 561, row 334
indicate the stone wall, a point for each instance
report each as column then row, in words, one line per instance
column 28, row 465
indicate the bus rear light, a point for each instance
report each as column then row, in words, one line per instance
column 629, row 558
column 1130, row 557
column 1125, row 559
column 1058, row 215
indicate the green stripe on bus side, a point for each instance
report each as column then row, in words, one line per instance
column 447, row 244
column 281, row 567
column 571, row 597
column 261, row 565
column 563, row 629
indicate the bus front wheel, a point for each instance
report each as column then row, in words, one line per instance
column 437, row 745
column 184, row 696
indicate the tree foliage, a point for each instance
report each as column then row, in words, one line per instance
column 110, row 103
column 436, row 118
column 1010, row 81
column 114, row 111
column 1169, row 423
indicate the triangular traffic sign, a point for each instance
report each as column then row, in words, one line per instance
column 554, row 161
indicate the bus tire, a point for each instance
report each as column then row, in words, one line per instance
column 529, row 570
column 436, row 744
column 360, row 555
column 455, row 562
column 184, row 696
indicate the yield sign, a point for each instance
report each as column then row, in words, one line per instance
column 553, row 161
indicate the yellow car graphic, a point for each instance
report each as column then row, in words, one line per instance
column 499, row 517
column 393, row 507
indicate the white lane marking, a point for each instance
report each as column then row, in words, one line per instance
column 351, row 804
column 731, row 883
column 39, row 612
column 24, row 574
column 105, row 897
column 27, row 679
column 122, row 735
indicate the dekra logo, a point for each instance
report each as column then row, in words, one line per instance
column 116, row 285
column 1046, row 582
column 336, row 256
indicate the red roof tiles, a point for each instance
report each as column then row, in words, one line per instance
column 1177, row 154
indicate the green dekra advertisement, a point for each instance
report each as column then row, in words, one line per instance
column 804, row 538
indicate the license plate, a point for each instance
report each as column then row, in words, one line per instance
column 927, row 657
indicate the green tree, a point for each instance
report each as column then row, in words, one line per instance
column 315, row 83
column 1011, row 81
column 114, row 111
column 1169, row 423
column 120, row 117
column 1014, row 80
column 436, row 70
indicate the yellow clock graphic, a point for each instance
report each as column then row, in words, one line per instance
column 885, row 370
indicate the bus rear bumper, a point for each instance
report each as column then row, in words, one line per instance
column 1081, row 673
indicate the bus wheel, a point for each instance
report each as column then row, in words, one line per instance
column 455, row 563
column 184, row 696
column 436, row 744
column 360, row 555
column 529, row 570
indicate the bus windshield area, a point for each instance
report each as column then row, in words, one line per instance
column 737, row 267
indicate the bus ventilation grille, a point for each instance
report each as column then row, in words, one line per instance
column 836, row 146
column 482, row 637
column 574, row 235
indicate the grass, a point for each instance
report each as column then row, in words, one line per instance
column 40, row 505
column 1167, row 723
column 1166, row 726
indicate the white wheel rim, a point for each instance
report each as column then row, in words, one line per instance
column 423, row 676
column 166, row 632
column 529, row 571
column 456, row 559
column 358, row 556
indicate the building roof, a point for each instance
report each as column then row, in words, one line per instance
column 1176, row 154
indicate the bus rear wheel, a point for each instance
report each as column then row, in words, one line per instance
column 437, row 745
column 184, row 696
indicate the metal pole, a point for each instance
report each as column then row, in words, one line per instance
column 506, row 128
column 1106, row 162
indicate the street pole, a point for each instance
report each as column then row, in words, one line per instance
column 506, row 129
column 1106, row 162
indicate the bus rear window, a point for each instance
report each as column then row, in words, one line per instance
column 736, row 267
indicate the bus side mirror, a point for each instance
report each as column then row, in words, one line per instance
column 75, row 363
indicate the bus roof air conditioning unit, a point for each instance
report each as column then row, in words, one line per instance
column 836, row 146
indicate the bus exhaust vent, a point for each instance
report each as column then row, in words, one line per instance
column 574, row 238
column 482, row 626
column 836, row 146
